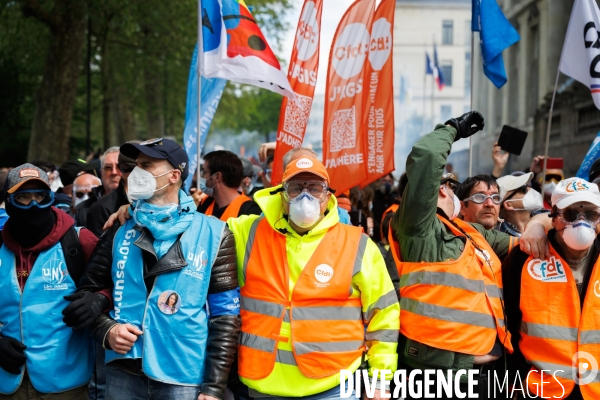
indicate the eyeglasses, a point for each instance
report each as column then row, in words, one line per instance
column 553, row 177
column 293, row 189
column 571, row 215
column 268, row 174
column 126, row 168
column 480, row 198
column 25, row 199
column 77, row 192
column 107, row 169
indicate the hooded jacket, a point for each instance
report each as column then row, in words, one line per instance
column 372, row 284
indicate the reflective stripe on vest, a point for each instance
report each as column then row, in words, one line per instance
column 327, row 329
column 58, row 359
column 232, row 210
column 454, row 305
column 555, row 328
column 180, row 361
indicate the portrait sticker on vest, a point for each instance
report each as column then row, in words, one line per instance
column 169, row 302
column 597, row 288
column 323, row 274
column 197, row 259
column 547, row 270
column 55, row 273
column 484, row 256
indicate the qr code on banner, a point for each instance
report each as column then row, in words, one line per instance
column 296, row 115
column 343, row 130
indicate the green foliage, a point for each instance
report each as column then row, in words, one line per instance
column 141, row 53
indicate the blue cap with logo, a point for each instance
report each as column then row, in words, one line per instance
column 162, row 149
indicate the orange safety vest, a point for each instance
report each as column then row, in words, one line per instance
column 391, row 209
column 232, row 210
column 454, row 305
column 554, row 328
column 327, row 329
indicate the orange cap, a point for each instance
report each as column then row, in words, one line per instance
column 305, row 164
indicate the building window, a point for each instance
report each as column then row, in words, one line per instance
column 447, row 32
column 446, row 68
column 446, row 112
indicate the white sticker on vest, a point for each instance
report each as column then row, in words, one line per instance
column 323, row 273
column 551, row 270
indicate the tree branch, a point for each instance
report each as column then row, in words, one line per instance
column 32, row 8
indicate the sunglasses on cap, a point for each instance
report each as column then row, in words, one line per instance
column 25, row 199
column 450, row 180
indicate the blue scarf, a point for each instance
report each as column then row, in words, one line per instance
column 165, row 222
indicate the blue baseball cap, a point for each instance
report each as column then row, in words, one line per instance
column 162, row 149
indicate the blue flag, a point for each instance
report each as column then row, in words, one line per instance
column 592, row 155
column 497, row 34
column 212, row 90
column 428, row 65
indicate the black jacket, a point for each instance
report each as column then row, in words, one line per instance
column 82, row 209
column 223, row 331
column 99, row 212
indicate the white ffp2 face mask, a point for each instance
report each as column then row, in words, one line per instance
column 141, row 184
column 549, row 188
column 456, row 207
column 532, row 201
column 305, row 212
column 579, row 235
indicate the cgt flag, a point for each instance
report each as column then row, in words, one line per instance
column 581, row 50
column 212, row 90
column 379, row 107
column 343, row 144
column 234, row 47
column 302, row 74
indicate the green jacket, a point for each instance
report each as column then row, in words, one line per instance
column 423, row 237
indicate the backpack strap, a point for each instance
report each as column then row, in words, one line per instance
column 73, row 251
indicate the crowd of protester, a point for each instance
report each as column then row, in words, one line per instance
column 123, row 283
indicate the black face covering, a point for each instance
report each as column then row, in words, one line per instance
column 29, row 227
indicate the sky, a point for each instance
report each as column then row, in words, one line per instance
column 333, row 10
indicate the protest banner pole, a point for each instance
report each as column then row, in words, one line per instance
column 549, row 125
column 200, row 54
column 471, row 100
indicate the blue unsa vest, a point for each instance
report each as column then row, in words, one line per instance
column 173, row 344
column 58, row 359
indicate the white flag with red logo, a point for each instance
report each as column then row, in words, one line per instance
column 379, row 106
column 343, row 145
column 580, row 57
column 302, row 75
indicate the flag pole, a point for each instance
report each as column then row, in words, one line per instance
column 424, row 95
column 549, row 125
column 199, row 55
column 471, row 100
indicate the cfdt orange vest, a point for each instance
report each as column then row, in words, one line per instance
column 555, row 328
column 454, row 305
column 391, row 209
column 327, row 329
column 232, row 210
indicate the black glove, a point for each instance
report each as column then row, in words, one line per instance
column 84, row 309
column 467, row 124
column 11, row 355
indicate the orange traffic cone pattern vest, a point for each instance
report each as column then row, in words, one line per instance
column 327, row 329
column 554, row 327
column 232, row 210
column 454, row 305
